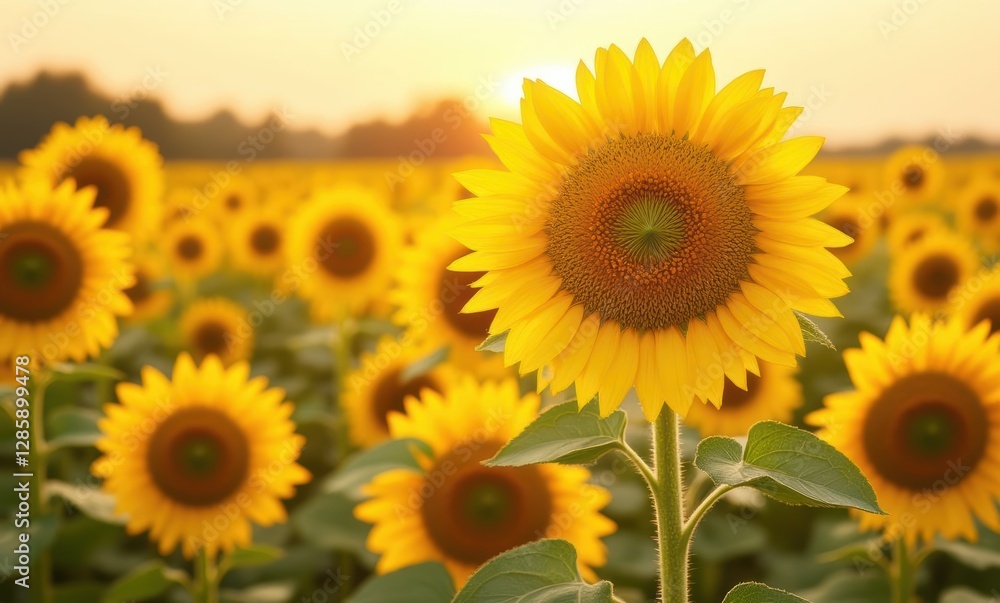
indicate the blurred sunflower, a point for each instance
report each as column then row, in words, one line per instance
column 651, row 230
column 914, row 173
column 62, row 274
column 217, row 326
column 911, row 228
column 849, row 217
column 124, row 169
column 149, row 296
column 218, row 440
column 256, row 242
column 430, row 300
column 192, row 248
column 477, row 512
column 377, row 387
column 347, row 242
column 981, row 301
column 924, row 427
column 236, row 197
column 978, row 212
column 924, row 275
column 773, row 396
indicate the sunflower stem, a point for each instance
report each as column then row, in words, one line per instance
column 206, row 578
column 902, row 573
column 41, row 579
column 342, row 344
column 668, row 498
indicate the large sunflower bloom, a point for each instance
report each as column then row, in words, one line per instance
column 209, row 443
column 653, row 235
column 462, row 513
column 924, row 427
column 124, row 169
column 62, row 275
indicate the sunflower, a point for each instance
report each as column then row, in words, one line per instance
column 462, row 513
column 149, row 295
column 217, row 326
column 911, row 228
column 979, row 301
column 345, row 243
column 178, row 454
column 850, row 216
column 978, row 212
column 924, row 427
column 378, row 387
column 193, row 248
column 256, row 241
column 914, row 174
column 430, row 299
column 124, row 169
column 651, row 231
column 61, row 273
column 924, row 276
column 774, row 396
column 239, row 195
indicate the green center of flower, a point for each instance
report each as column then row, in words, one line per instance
column 650, row 229
column 198, row 456
column 41, row 272
column 923, row 428
column 488, row 503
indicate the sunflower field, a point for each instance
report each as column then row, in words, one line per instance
column 653, row 347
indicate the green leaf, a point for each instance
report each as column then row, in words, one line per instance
column 812, row 333
column 754, row 592
column 424, row 365
column 540, row 572
column 564, row 434
column 362, row 467
column 328, row 521
column 421, row 583
column 73, row 426
column 790, row 465
column 251, row 556
column 145, row 582
column 493, row 343
column 90, row 500
column 973, row 555
column 86, row 371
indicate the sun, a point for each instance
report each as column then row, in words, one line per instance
column 651, row 231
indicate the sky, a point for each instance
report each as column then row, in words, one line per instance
column 865, row 69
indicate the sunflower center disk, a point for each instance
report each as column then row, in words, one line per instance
column 190, row 248
column 989, row 311
column 141, row 290
column 936, row 276
column 113, row 188
column 650, row 231
column 478, row 512
column 346, row 248
column 391, row 392
column 265, row 240
column 456, row 291
column 198, row 456
column 986, row 209
column 41, row 272
column 913, row 176
column 925, row 429
column 212, row 338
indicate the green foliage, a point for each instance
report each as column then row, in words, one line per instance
column 753, row 592
column 421, row 583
